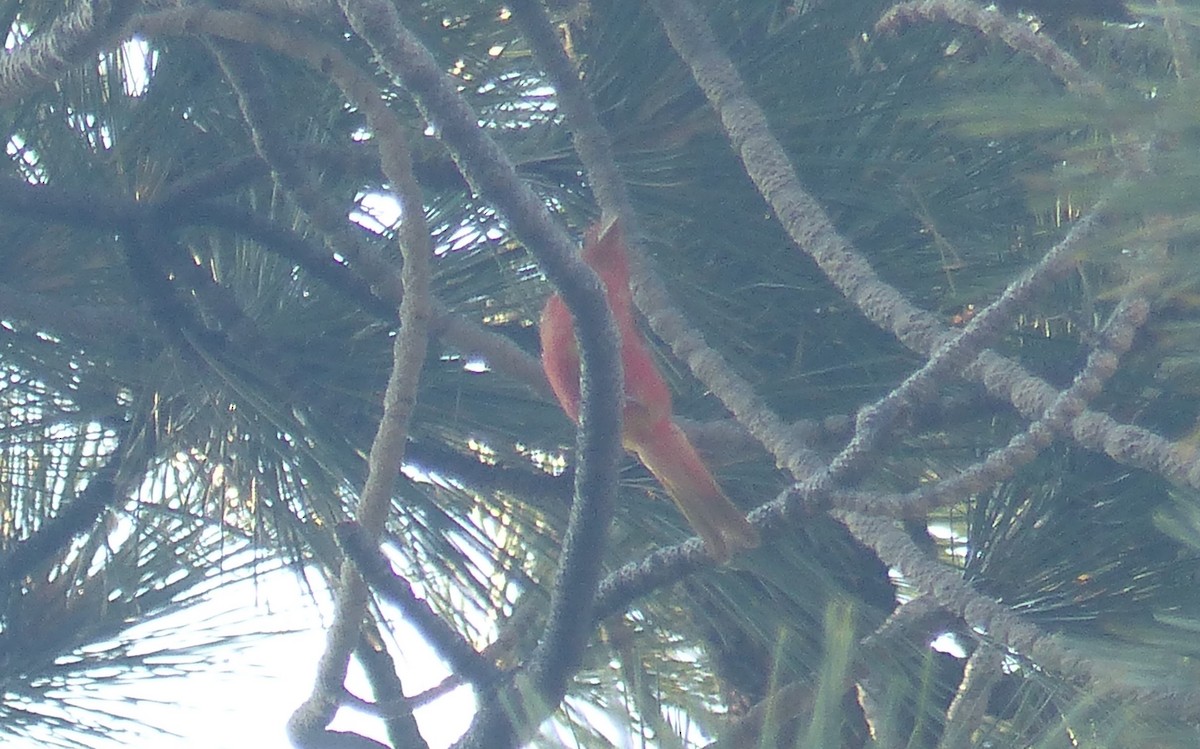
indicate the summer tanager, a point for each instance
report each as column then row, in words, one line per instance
column 649, row 431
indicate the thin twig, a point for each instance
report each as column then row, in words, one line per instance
column 1115, row 340
column 492, row 175
column 994, row 24
column 999, row 624
column 658, row 569
column 307, row 725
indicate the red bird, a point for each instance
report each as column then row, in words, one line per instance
column 649, row 431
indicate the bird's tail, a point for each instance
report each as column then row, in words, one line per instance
column 669, row 455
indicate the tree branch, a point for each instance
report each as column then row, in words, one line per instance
column 1115, row 340
column 994, row 24
column 501, row 353
column 667, row 566
column 385, row 685
column 812, row 229
column 946, row 586
column 72, row 519
column 448, row 643
column 491, row 173
column 309, row 721
column 595, row 150
column 70, row 39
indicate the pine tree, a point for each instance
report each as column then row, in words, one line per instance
column 920, row 276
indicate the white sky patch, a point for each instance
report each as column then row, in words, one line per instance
column 138, row 61
column 941, row 531
column 948, row 643
column 957, row 546
column 463, row 237
column 247, row 700
column 378, row 212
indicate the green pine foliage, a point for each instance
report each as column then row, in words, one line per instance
column 194, row 354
